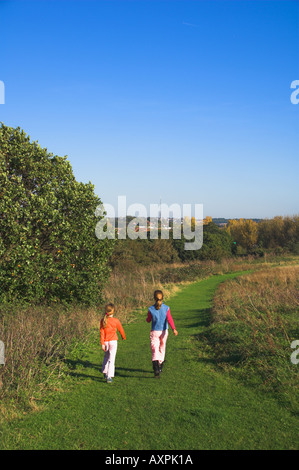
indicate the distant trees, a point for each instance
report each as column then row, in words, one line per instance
column 48, row 248
column 244, row 232
column 239, row 237
column 280, row 232
column 207, row 220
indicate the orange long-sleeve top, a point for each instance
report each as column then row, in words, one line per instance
column 110, row 332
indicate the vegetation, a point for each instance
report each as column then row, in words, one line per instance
column 48, row 249
column 132, row 286
column 37, row 342
column 244, row 232
column 254, row 321
column 40, row 339
column 193, row 406
column 279, row 235
column 241, row 237
column 217, row 244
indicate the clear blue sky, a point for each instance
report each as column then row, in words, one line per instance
column 188, row 101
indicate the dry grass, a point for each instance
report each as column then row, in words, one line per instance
column 255, row 319
column 37, row 340
column 133, row 288
column 265, row 296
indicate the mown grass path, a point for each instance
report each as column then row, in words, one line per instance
column 192, row 406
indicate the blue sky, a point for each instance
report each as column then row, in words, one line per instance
column 187, row 101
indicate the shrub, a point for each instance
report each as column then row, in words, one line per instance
column 48, row 248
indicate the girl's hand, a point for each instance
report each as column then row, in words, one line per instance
column 104, row 347
column 175, row 332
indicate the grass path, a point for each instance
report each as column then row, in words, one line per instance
column 192, row 406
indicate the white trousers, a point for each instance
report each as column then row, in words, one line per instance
column 158, row 345
column 108, row 366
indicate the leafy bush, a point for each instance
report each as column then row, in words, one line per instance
column 48, row 248
column 217, row 244
column 143, row 252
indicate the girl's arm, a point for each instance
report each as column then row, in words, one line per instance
column 149, row 317
column 171, row 322
column 121, row 330
column 102, row 330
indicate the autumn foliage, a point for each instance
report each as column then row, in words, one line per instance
column 244, row 232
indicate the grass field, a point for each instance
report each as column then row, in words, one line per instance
column 254, row 321
column 193, row 406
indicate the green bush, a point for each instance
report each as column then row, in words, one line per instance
column 48, row 248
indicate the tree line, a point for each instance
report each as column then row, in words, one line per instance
column 240, row 237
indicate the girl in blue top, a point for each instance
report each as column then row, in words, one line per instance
column 159, row 314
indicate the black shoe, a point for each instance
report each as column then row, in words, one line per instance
column 161, row 367
column 156, row 369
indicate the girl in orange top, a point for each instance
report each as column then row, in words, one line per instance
column 109, row 327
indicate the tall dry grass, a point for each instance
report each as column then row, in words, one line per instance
column 254, row 321
column 132, row 287
column 37, row 341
